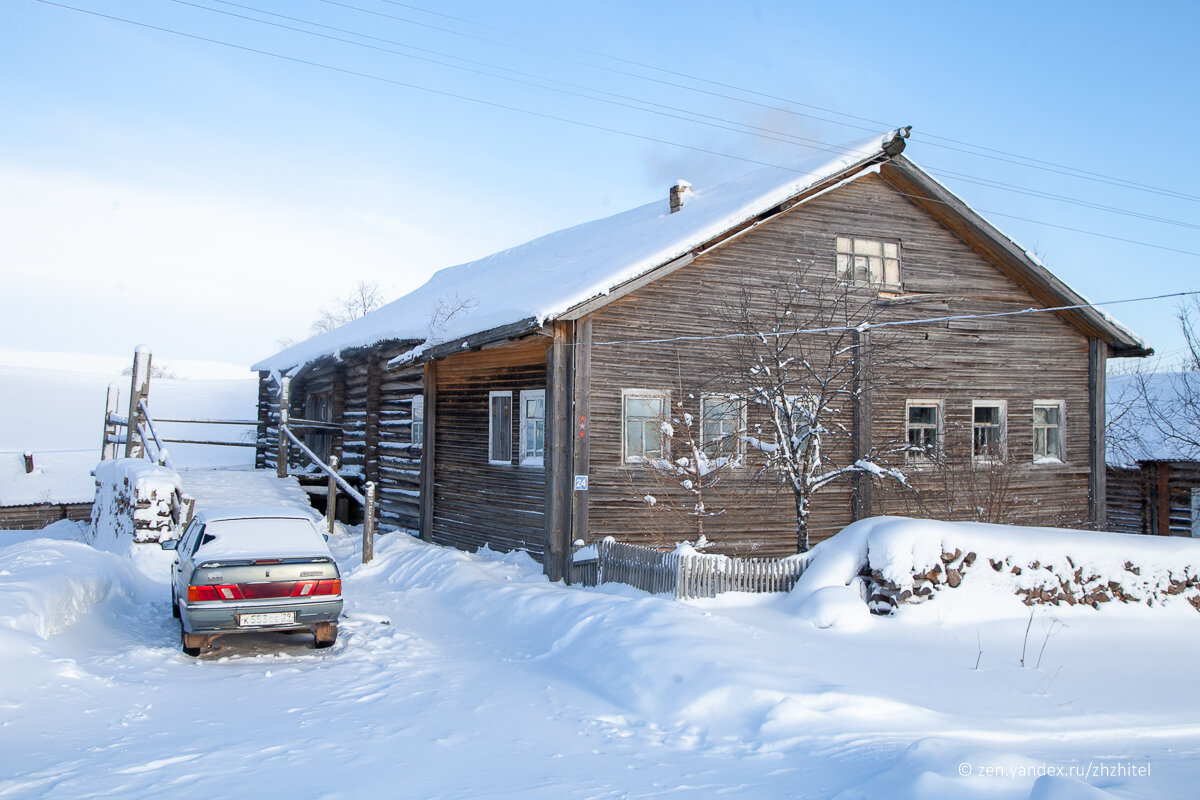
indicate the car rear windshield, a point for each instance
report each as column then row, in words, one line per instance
column 258, row 538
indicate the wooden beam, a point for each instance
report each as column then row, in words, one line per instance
column 1162, row 496
column 558, row 460
column 1098, row 477
column 861, row 486
column 427, row 451
column 580, row 434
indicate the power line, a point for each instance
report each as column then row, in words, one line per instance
column 539, row 114
column 712, row 121
column 896, row 323
column 1027, row 161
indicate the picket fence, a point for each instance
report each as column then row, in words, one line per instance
column 685, row 574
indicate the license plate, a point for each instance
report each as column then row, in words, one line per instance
column 273, row 618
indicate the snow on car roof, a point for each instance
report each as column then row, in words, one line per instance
column 252, row 536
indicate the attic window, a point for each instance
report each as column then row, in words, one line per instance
column 869, row 262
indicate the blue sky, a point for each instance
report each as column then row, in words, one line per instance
column 244, row 190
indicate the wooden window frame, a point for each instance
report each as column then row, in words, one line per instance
column 1002, row 433
column 659, row 394
column 417, row 424
column 527, row 460
column 920, row 457
column 1061, row 457
column 739, row 443
column 846, row 260
column 492, row 395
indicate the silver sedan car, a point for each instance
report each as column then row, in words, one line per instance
column 253, row 569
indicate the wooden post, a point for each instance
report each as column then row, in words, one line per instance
column 580, row 418
column 331, row 495
column 1098, row 478
column 429, row 443
column 559, row 463
column 861, row 485
column 368, row 550
column 1162, row 497
column 139, row 389
column 108, row 447
column 285, row 399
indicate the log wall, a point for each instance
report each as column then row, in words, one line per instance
column 476, row 503
column 1153, row 498
column 1014, row 359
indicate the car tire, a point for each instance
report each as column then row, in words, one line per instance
column 191, row 643
column 325, row 635
column 174, row 604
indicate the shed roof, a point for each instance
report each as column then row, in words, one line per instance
column 523, row 287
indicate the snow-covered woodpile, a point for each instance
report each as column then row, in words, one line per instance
column 1040, row 566
column 135, row 499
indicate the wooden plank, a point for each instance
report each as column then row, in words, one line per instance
column 558, row 457
column 580, row 418
column 428, row 453
column 1097, row 486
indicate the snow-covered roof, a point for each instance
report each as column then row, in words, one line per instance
column 549, row 276
column 546, row 277
column 57, row 477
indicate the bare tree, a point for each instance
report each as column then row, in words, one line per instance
column 683, row 481
column 797, row 352
column 365, row 298
column 1156, row 409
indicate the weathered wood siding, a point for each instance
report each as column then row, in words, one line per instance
column 36, row 517
column 1154, row 498
column 477, row 503
column 374, row 407
column 1015, row 359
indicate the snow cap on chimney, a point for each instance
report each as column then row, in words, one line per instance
column 680, row 192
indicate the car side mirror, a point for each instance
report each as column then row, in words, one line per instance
column 169, row 544
column 325, row 536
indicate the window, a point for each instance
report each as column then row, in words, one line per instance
column 643, row 415
column 500, row 427
column 418, row 420
column 1048, row 431
column 923, row 428
column 987, row 430
column 318, row 407
column 722, row 420
column 533, row 427
column 869, row 262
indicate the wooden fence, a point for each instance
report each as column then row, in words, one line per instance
column 685, row 575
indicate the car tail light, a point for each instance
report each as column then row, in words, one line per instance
column 310, row 588
column 200, row 594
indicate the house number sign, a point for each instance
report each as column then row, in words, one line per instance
column 581, row 483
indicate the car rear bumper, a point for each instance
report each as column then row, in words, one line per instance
column 224, row 617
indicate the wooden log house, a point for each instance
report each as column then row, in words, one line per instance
column 534, row 396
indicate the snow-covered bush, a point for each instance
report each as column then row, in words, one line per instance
column 135, row 499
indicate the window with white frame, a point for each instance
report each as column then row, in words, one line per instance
column 923, row 428
column 869, row 262
column 500, row 427
column 643, row 414
column 722, row 420
column 417, row 429
column 533, row 426
column 801, row 410
column 1048, row 443
column 987, row 430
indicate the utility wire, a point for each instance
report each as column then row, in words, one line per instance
column 701, row 119
column 1026, row 161
column 896, row 323
column 539, row 114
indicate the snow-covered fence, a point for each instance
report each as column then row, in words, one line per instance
column 684, row 572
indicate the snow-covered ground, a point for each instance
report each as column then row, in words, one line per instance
column 470, row 676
